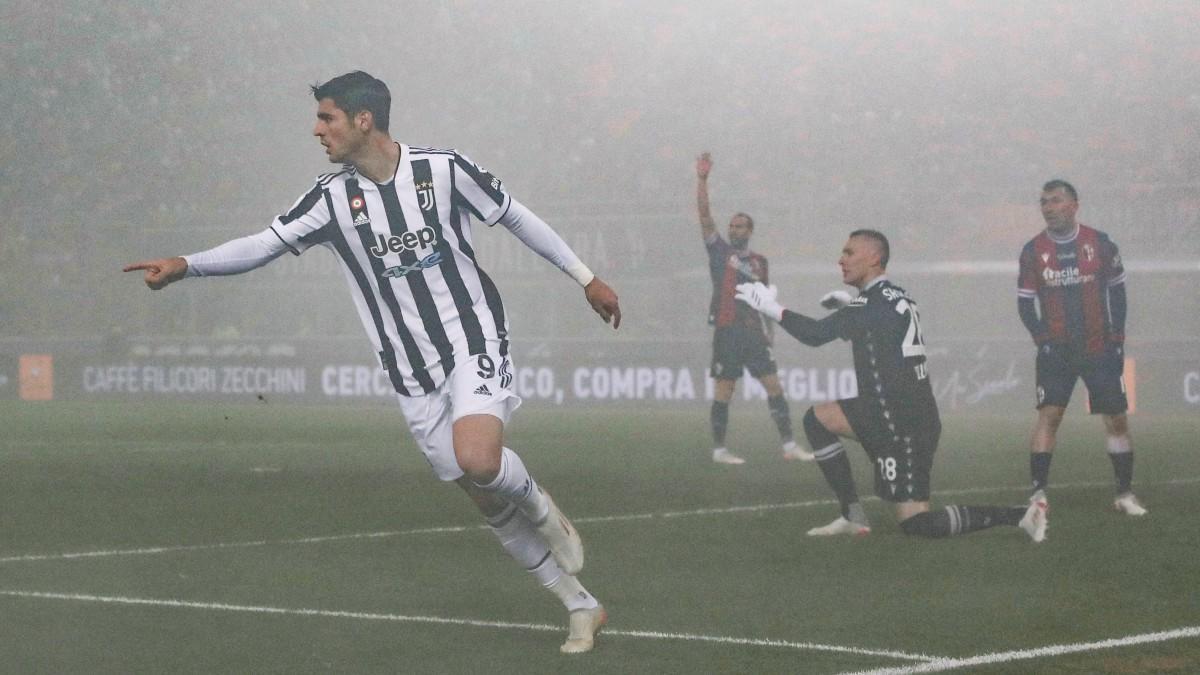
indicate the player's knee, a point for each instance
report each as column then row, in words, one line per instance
column 932, row 524
column 1050, row 417
column 818, row 436
column 480, row 463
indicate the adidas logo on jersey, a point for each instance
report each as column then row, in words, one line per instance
column 361, row 219
column 483, row 390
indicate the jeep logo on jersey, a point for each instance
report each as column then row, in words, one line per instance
column 399, row 243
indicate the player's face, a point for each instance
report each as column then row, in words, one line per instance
column 740, row 230
column 1058, row 209
column 337, row 132
column 859, row 261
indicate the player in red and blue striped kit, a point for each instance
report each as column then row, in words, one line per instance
column 1075, row 275
column 740, row 339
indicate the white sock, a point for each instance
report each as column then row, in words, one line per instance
column 521, row 540
column 568, row 589
column 515, row 485
column 519, row 537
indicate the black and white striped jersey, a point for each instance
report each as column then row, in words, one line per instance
column 407, row 253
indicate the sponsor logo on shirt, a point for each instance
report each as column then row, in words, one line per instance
column 403, row 243
column 428, row 261
column 1067, row 276
column 744, row 266
column 400, row 243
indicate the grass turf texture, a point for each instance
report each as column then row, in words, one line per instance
column 245, row 485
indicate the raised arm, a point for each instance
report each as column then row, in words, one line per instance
column 703, row 167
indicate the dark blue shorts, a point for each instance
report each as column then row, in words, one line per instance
column 1059, row 367
column 735, row 349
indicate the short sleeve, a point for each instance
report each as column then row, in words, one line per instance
column 301, row 226
column 479, row 190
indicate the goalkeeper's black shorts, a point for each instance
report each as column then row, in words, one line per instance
column 901, row 452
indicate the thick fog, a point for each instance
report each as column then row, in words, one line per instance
column 144, row 129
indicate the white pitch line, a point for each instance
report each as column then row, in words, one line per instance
column 939, row 665
column 156, row 550
column 479, row 623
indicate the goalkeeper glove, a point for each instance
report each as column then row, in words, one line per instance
column 761, row 298
column 836, row 299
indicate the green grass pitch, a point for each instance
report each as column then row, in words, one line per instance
column 268, row 538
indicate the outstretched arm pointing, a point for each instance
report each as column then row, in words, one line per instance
column 160, row 272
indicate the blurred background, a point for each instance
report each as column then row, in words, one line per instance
column 142, row 129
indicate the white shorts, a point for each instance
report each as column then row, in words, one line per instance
column 481, row 385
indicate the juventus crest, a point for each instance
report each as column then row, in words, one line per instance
column 425, row 195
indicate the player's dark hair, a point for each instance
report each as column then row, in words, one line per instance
column 1060, row 183
column 749, row 220
column 885, row 250
column 356, row 92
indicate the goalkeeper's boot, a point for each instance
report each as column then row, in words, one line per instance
column 562, row 538
column 841, row 525
column 792, row 450
column 1129, row 505
column 724, row 456
column 585, row 624
column 1036, row 519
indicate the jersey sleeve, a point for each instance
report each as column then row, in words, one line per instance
column 810, row 331
column 1027, row 278
column 1114, row 268
column 302, row 226
column 848, row 321
column 1115, row 274
column 718, row 250
column 478, row 190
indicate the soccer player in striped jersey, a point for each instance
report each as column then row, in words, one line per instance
column 740, row 340
column 398, row 219
column 894, row 416
column 1075, row 276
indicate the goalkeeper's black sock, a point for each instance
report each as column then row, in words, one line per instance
column 782, row 416
column 718, row 417
column 955, row 520
column 1039, row 469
